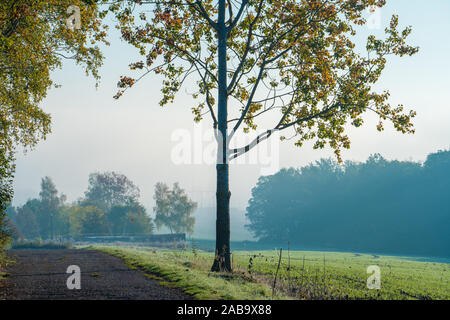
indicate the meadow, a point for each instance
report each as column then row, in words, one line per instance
column 296, row 275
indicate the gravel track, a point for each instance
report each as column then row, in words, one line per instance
column 41, row 274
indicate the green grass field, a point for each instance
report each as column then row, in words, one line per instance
column 302, row 275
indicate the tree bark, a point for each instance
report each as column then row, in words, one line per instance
column 222, row 260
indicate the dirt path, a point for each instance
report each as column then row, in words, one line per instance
column 41, row 274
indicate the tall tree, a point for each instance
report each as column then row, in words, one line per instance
column 49, row 208
column 109, row 189
column 43, row 217
column 25, row 218
column 26, row 221
column 173, row 208
column 294, row 58
column 34, row 40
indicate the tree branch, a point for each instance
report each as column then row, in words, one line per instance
column 199, row 7
column 238, row 16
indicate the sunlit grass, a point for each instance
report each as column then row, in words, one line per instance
column 344, row 275
column 192, row 273
column 312, row 275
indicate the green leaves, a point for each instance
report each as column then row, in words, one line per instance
column 34, row 38
column 292, row 56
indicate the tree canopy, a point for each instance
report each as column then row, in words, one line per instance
column 34, row 40
column 297, row 58
column 109, row 189
column 173, row 208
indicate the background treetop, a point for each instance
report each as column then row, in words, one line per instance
column 109, row 189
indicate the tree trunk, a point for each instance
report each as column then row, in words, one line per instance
column 222, row 258
column 222, row 261
column 51, row 226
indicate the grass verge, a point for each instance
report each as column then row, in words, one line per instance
column 302, row 275
column 191, row 273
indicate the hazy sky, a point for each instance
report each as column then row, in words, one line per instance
column 135, row 136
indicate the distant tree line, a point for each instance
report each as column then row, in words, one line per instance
column 399, row 207
column 110, row 206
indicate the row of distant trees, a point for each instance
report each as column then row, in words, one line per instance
column 377, row 206
column 110, row 206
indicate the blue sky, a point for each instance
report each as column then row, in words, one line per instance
column 93, row 132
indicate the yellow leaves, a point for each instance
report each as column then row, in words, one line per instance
column 125, row 82
column 303, row 46
column 254, row 107
column 137, row 65
column 32, row 36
